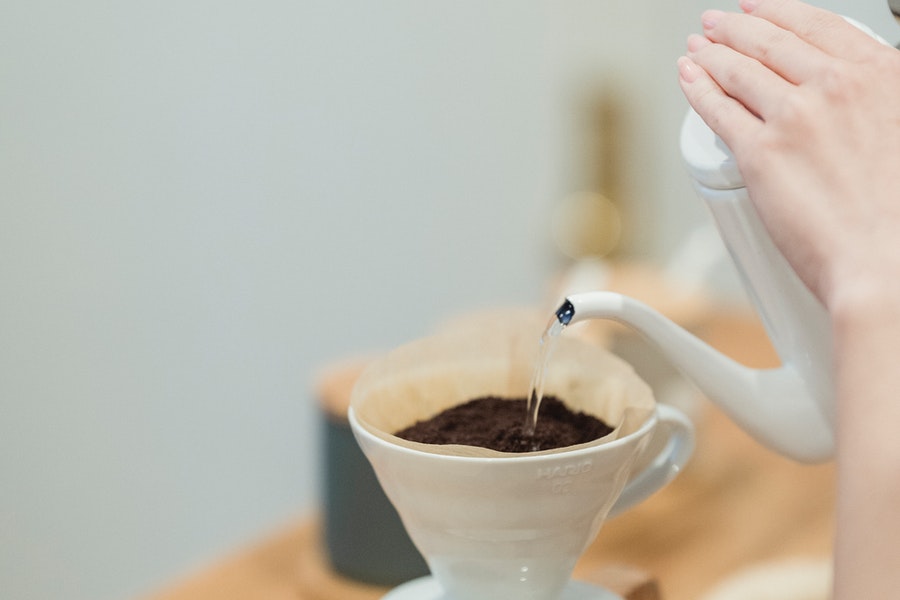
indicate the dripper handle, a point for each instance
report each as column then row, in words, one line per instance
column 670, row 446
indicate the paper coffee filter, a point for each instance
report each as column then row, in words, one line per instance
column 420, row 379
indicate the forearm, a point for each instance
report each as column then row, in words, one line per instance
column 867, row 349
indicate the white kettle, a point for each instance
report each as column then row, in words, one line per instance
column 789, row 409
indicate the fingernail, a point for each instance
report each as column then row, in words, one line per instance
column 687, row 70
column 695, row 42
column 748, row 6
column 711, row 18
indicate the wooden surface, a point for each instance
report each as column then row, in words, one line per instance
column 735, row 505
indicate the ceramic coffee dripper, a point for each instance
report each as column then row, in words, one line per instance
column 496, row 525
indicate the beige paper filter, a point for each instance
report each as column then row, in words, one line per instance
column 495, row 357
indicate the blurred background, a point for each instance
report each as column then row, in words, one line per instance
column 204, row 203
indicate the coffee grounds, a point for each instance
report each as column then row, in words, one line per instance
column 499, row 424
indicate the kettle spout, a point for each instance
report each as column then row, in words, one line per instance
column 774, row 406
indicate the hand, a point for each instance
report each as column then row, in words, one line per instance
column 810, row 107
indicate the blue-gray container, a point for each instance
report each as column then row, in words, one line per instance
column 363, row 535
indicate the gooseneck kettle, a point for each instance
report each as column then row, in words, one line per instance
column 790, row 408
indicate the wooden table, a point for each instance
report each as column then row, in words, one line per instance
column 736, row 504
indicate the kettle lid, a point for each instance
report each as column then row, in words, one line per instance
column 706, row 156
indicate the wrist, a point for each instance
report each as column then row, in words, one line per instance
column 865, row 301
column 865, row 320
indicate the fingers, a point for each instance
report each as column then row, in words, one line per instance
column 743, row 78
column 780, row 50
column 749, row 65
column 728, row 117
column 820, row 28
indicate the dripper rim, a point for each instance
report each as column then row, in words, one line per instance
column 357, row 425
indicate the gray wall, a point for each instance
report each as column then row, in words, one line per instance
column 201, row 203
